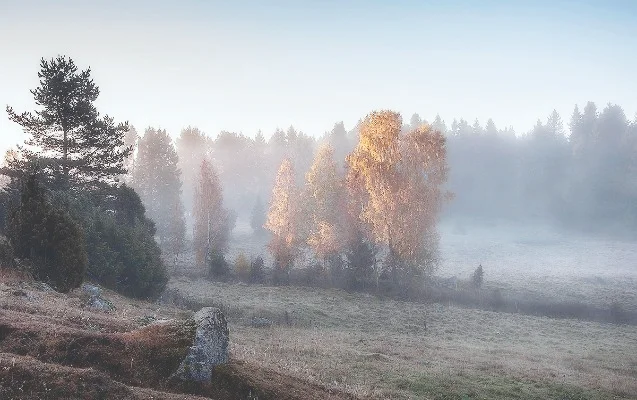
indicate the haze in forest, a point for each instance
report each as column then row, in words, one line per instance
column 249, row 65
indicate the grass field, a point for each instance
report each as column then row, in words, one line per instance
column 531, row 262
column 398, row 350
column 540, row 263
column 392, row 349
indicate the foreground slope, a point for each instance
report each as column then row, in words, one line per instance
column 54, row 346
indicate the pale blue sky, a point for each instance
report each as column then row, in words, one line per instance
column 248, row 65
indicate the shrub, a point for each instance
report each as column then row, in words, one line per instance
column 361, row 256
column 477, row 277
column 257, row 270
column 242, row 267
column 49, row 238
column 122, row 252
column 218, row 267
column 6, row 253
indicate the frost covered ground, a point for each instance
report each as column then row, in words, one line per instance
column 534, row 261
column 538, row 261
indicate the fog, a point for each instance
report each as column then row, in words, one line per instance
column 310, row 200
column 574, row 173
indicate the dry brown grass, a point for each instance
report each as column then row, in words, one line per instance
column 13, row 275
column 52, row 347
column 382, row 348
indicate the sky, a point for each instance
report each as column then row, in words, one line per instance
column 248, row 65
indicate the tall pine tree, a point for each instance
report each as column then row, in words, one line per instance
column 157, row 180
column 74, row 146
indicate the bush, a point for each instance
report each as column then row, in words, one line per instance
column 257, row 270
column 218, row 267
column 361, row 256
column 477, row 277
column 7, row 254
column 122, row 252
column 242, row 267
column 49, row 238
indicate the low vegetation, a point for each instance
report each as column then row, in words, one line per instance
column 55, row 346
column 393, row 349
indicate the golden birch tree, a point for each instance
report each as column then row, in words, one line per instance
column 325, row 199
column 211, row 220
column 396, row 181
column 282, row 220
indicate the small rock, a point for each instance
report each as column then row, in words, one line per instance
column 19, row 292
column 147, row 320
column 42, row 287
column 258, row 322
column 99, row 303
column 92, row 290
column 94, row 299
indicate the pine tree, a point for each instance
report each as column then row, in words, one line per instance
column 554, row 125
column 75, row 147
column 439, row 125
column 415, row 121
column 130, row 141
column 157, row 180
column 337, row 138
column 49, row 238
column 490, row 128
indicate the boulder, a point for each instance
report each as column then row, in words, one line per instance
column 259, row 322
column 209, row 349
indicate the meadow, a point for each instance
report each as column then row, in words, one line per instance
column 385, row 348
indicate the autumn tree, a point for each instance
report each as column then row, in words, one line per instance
column 157, row 180
column 74, row 146
column 399, row 183
column 324, row 199
column 212, row 222
column 281, row 221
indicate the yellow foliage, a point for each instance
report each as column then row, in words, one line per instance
column 324, row 198
column 282, row 215
column 242, row 266
column 396, row 183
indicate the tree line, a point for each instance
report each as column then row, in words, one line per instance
column 356, row 208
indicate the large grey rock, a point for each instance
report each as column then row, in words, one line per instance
column 210, row 347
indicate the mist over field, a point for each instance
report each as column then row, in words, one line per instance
column 318, row 200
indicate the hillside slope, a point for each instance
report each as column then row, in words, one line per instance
column 54, row 346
